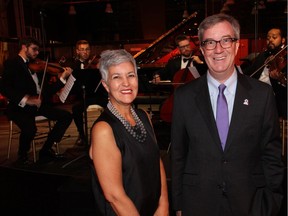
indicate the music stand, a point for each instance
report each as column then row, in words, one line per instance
column 87, row 78
column 85, row 131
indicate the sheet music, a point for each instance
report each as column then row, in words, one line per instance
column 67, row 88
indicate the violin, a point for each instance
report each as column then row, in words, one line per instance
column 39, row 65
column 276, row 63
column 92, row 63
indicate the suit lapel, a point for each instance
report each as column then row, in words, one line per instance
column 28, row 77
column 204, row 105
column 241, row 103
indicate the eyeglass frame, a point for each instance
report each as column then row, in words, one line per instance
column 204, row 43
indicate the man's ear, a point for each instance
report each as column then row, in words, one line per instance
column 283, row 40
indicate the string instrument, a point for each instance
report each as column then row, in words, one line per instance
column 276, row 63
column 92, row 63
column 74, row 62
column 181, row 77
column 39, row 65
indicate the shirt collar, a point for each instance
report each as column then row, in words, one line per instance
column 230, row 83
column 25, row 60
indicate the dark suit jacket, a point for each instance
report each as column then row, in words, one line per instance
column 174, row 65
column 248, row 172
column 18, row 82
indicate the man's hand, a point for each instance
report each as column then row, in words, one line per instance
column 278, row 75
column 34, row 101
column 156, row 78
column 197, row 59
column 178, row 213
column 67, row 72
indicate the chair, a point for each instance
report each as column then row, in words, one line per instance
column 39, row 135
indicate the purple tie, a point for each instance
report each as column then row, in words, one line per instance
column 222, row 116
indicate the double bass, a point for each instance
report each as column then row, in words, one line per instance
column 181, row 77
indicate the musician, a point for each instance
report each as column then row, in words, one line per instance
column 87, row 76
column 28, row 98
column 179, row 62
column 277, row 77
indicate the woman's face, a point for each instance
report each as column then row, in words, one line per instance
column 122, row 83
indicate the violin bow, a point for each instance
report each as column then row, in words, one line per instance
column 97, row 86
column 44, row 73
column 266, row 63
column 90, row 62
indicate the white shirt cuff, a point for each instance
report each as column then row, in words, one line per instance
column 63, row 80
column 22, row 103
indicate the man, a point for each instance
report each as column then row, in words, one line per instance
column 27, row 99
column 236, row 170
column 273, row 70
column 87, row 76
column 197, row 66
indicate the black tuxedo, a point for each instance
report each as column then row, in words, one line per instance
column 18, row 82
column 279, row 90
column 90, row 79
column 247, row 175
column 174, row 65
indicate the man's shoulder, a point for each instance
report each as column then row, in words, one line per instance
column 175, row 58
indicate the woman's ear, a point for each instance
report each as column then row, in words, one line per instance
column 105, row 85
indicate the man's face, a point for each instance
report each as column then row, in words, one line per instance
column 83, row 52
column 31, row 51
column 220, row 60
column 185, row 48
column 274, row 39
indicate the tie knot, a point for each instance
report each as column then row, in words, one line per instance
column 221, row 88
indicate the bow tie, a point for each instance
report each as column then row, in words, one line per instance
column 186, row 59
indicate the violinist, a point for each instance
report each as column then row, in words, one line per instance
column 270, row 67
column 29, row 98
column 197, row 65
column 87, row 75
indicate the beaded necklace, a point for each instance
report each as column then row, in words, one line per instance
column 138, row 131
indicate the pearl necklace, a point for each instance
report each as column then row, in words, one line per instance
column 138, row 131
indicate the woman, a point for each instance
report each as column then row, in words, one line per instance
column 129, row 177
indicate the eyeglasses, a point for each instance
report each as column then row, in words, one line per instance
column 84, row 50
column 184, row 46
column 224, row 42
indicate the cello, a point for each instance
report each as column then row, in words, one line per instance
column 181, row 77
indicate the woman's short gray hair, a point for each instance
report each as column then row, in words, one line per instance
column 112, row 58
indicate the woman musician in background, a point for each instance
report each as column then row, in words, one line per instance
column 87, row 75
column 270, row 67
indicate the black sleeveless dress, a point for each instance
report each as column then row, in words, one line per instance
column 140, row 167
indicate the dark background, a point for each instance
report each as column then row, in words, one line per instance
column 137, row 19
